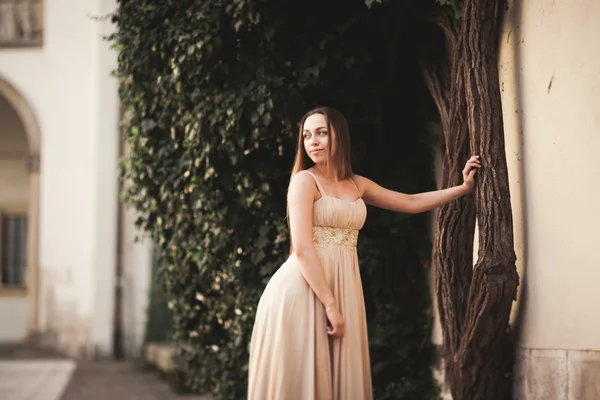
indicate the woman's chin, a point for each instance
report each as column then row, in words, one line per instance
column 316, row 160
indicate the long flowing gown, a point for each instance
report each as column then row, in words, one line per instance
column 291, row 355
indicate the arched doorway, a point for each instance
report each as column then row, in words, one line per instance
column 19, row 215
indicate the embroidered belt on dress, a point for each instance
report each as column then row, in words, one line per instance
column 324, row 236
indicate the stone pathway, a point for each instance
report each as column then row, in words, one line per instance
column 34, row 379
column 30, row 374
column 118, row 381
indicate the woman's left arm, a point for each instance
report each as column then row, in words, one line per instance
column 378, row 196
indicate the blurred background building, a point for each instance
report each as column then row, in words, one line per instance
column 72, row 275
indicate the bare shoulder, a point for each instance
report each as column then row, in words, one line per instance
column 359, row 178
column 362, row 183
column 302, row 183
column 366, row 186
column 302, row 179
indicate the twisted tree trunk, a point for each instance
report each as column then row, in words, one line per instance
column 474, row 303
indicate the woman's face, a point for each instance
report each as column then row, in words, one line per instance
column 317, row 138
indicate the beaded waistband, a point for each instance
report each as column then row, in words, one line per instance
column 324, row 236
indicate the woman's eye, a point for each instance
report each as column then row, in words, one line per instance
column 323, row 133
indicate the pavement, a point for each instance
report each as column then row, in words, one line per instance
column 32, row 375
column 110, row 380
column 34, row 379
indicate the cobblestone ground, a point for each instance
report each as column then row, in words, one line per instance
column 27, row 374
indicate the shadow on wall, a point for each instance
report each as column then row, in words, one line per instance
column 510, row 35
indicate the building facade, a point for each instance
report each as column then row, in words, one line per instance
column 72, row 275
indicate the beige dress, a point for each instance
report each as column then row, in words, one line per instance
column 291, row 355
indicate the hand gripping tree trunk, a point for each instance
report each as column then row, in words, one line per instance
column 485, row 335
column 474, row 303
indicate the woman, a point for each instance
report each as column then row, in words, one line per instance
column 309, row 340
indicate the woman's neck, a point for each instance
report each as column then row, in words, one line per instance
column 325, row 173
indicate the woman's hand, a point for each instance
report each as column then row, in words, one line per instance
column 469, row 173
column 337, row 325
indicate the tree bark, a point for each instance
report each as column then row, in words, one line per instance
column 455, row 225
column 485, row 335
column 474, row 303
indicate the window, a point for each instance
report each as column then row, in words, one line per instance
column 13, row 249
column 21, row 23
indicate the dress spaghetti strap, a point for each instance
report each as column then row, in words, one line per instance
column 356, row 187
column 318, row 183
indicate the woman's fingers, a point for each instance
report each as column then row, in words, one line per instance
column 335, row 330
column 473, row 163
column 471, row 166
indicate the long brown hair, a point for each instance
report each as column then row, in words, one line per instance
column 340, row 162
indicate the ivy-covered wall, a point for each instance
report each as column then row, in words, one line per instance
column 213, row 91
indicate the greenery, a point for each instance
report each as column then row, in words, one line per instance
column 212, row 92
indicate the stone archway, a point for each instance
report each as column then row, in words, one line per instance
column 32, row 129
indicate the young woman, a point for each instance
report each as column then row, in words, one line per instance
column 309, row 340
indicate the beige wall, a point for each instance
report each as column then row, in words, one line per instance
column 550, row 74
column 13, row 319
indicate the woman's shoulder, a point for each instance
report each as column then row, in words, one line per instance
column 362, row 183
column 303, row 174
column 358, row 178
column 303, row 184
column 302, row 178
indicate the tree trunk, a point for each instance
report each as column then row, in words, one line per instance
column 453, row 247
column 485, row 335
column 474, row 303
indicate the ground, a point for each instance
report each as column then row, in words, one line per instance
column 27, row 374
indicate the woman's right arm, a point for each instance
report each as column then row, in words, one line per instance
column 301, row 198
